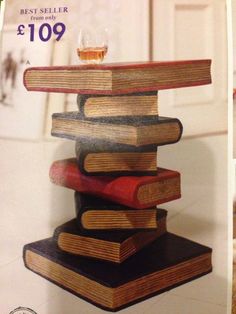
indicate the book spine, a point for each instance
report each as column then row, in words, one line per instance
column 81, row 100
column 66, row 173
column 79, row 210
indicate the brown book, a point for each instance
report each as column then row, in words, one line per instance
column 136, row 131
column 118, row 78
column 114, row 246
column 96, row 214
column 165, row 264
column 98, row 157
column 135, row 104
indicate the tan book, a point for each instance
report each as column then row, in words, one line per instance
column 118, row 78
column 135, row 104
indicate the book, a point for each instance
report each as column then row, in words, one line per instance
column 98, row 157
column 114, row 246
column 135, row 192
column 118, row 78
column 165, row 264
column 135, row 104
column 136, row 131
column 97, row 214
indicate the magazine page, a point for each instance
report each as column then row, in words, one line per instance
column 113, row 139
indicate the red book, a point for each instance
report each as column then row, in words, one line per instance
column 118, row 78
column 135, row 192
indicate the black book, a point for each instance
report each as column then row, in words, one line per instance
column 166, row 263
column 114, row 246
column 96, row 214
column 99, row 157
column 136, row 131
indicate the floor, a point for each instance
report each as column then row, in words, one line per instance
column 31, row 207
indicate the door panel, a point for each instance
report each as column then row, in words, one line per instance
column 193, row 30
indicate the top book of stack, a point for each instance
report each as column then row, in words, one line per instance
column 118, row 78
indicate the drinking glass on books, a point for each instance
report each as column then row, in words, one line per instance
column 92, row 45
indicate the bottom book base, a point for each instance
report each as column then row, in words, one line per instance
column 165, row 264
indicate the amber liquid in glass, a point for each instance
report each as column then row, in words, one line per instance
column 92, row 54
